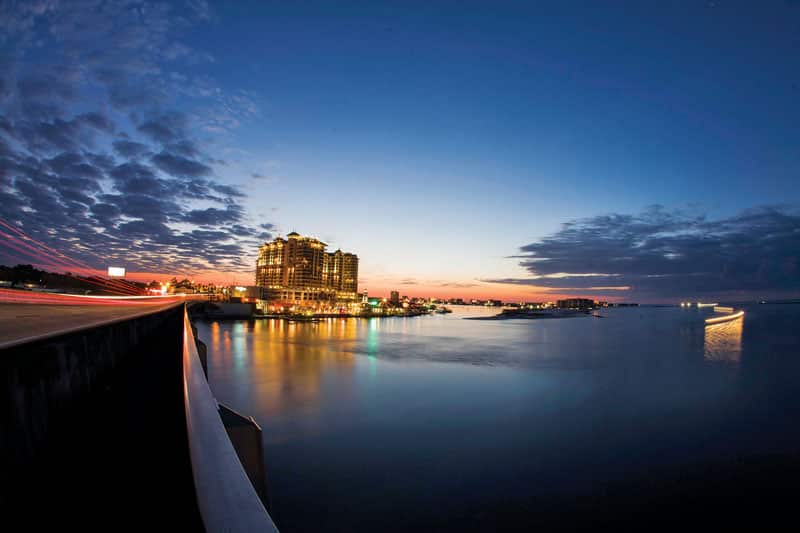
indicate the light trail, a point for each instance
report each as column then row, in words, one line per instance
column 29, row 297
column 64, row 261
column 15, row 245
column 24, row 238
column 726, row 318
column 46, row 256
column 100, row 283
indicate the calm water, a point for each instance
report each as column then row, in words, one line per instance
column 443, row 423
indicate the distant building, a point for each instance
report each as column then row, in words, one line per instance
column 297, row 271
column 575, row 303
column 394, row 298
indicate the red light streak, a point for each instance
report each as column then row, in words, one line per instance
column 22, row 245
column 28, row 297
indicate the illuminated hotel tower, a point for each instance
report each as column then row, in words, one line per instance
column 298, row 271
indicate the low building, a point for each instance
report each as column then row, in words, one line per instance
column 575, row 303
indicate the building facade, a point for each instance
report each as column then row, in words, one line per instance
column 575, row 303
column 298, row 272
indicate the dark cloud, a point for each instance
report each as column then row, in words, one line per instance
column 105, row 214
column 180, row 167
column 136, row 178
column 98, row 121
column 156, row 206
column 130, row 149
column 76, row 77
column 670, row 255
column 242, row 231
column 146, row 229
column 165, row 128
column 5, row 149
column 185, row 148
column 229, row 191
column 71, row 165
column 213, row 216
column 57, row 134
column 101, row 161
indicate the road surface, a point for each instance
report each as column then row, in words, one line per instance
column 23, row 322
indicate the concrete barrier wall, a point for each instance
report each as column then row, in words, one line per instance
column 93, row 430
column 226, row 497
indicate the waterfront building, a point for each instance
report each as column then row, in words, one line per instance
column 575, row 303
column 394, row 298
column 298, row 272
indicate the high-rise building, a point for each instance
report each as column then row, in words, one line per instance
column 394, row 297
column 297, row 271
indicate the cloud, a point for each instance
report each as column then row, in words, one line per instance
column 165, row 127
column 130, row 149
column 44, row 136
column 213, row 216
column 180, row 167
column 662, row 254
column 98, row 150
column 458, row 284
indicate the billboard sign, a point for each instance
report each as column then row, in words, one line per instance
column 116, row 272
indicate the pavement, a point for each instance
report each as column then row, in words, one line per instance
column 22, row 322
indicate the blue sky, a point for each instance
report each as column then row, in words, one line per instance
column 437, row 140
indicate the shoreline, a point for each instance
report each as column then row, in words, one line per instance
column 532, row 315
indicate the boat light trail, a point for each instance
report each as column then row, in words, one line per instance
column 726, row 318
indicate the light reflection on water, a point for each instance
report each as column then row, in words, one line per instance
column 362, row 417
column 723, row 342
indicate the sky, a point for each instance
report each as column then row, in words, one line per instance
column 641, row 151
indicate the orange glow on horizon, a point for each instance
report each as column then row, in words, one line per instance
column 466, row 290
column 506, row 292
column 478, row 290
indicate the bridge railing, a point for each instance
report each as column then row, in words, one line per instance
column 225, row 496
